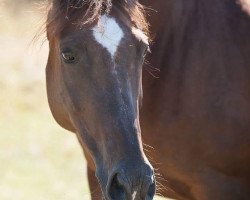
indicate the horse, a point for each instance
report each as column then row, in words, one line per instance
column 93, row 76
column 194, row 110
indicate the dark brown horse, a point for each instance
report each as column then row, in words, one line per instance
column 196, row 114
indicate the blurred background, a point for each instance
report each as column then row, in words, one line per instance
column 38, row 159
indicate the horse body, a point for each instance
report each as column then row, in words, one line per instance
column 196, row 114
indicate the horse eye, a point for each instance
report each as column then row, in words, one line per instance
column 69, row 57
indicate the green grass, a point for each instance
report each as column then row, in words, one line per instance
column 38, row 159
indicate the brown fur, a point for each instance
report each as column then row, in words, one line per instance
column 196, row 114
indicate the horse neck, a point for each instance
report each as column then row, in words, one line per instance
column 197, row 38
column 180, row 24
column 163, row 13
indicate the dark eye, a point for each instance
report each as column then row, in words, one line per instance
column 69, row 57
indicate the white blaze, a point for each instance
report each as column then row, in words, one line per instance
column 108, row 33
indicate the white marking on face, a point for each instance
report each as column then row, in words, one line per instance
column 108, row 33
column 140, row 35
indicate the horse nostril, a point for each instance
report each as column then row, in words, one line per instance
column 127, row 184
column 117, row 190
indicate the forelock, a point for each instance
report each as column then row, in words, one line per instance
column 83, row 12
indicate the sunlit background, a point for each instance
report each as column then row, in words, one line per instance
column 38, row 159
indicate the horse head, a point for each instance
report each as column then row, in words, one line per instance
column 94, row 74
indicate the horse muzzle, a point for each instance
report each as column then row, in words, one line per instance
column 131, row 182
